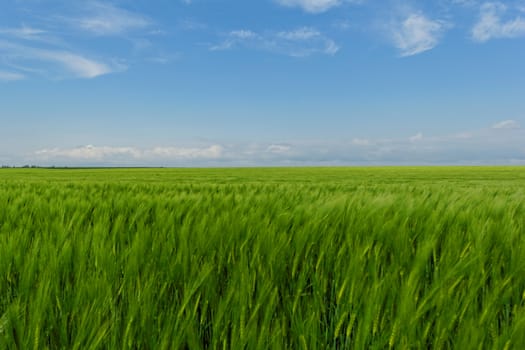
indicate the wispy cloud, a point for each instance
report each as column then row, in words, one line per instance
column 501, row 143
column 178, row 153
column 24, row 32
column 279, row 148
column 300, row 34
column 107, row 19
column 81, row 66
column 77, row 65
column 189, row 24
column 315, row 6
column 50, row 48
column 416, row 34
column 300, row 42
column 361, row 142
column 493, row 25
column 465, row 3
column 417, row 137
column 10, row 76
column 507, row 124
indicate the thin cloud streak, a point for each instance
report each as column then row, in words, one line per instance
column 316, row 6
column 313, row 6
column 24, row 32
column 299, row 42
column 11, row 76
column 507, row 124
column 107, row 19
column 78, row 65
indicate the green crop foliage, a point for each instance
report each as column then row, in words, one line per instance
column 273, row 258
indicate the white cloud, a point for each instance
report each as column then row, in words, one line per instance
column 10, row 76
column 76, row 64
column 507, row 124
column 88, row 152
column 304, row 33
column 463, row 135
column 24, row 32
column 484, row 146
column 243, row 34
column 300, row 42
column 417, row 34
column 191, row 25
column 491, row 24
column 361, row 142
column 211, row 152
column 315, row 6
column 106, row 19
column 224, row 45
column 80, row 66
column 278, row 148
column 130, row 154
column 46, row 50
column 466, row 3
column 416, row 138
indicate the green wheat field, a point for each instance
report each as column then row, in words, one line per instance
column 263, row 258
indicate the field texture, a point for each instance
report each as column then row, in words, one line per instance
column 313, row 258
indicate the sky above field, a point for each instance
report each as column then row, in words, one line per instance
column 261, row 82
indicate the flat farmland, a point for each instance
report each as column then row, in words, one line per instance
column 263, row 258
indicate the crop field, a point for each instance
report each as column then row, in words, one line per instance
column 302, row 258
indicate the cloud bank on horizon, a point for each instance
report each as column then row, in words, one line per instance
column 493, row 145
column 305, row 81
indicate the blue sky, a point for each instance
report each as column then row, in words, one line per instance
column 262, row 82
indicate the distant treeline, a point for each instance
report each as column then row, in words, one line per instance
column 77, row 167
column 24, row 167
